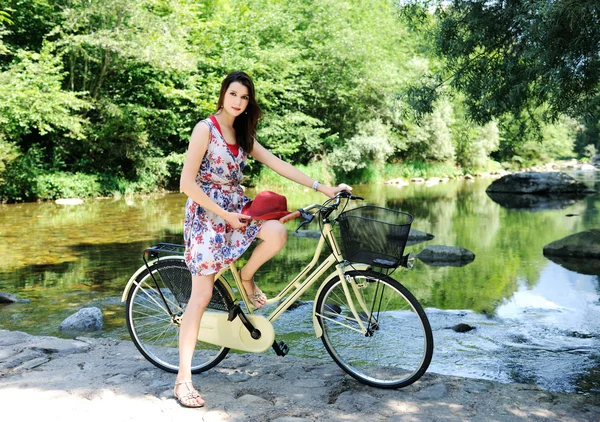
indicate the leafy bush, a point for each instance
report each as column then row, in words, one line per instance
column 590, row 151
column 67, row 185
column 8, row 153
column 431, row 139
column 20, row 176
column 368, row 150
column 477, row 144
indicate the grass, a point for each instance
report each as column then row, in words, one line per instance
column 370, row 174
column 409, row 169
column 319, row 171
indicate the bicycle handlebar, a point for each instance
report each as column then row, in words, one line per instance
column 303, row 212
column 289, row 217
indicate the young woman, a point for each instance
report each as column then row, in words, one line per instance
column 216, row 233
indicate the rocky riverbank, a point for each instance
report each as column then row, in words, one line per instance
column 51, row 379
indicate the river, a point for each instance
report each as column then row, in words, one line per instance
column 535, row 321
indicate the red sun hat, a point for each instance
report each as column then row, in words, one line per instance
column 267, row 206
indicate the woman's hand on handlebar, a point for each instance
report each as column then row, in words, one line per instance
column 331, row 191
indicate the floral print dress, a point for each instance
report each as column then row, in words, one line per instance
column 211, row 244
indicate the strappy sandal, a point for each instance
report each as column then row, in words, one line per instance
column 257, row 298
column 191, row 398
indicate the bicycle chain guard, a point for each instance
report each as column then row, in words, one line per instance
column 215, row 328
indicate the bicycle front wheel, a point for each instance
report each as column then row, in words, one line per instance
column 155, row 305
column 397, row 347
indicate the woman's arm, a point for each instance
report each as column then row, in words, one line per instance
column 288, row 171
column 187, row 184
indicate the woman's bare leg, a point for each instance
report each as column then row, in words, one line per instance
column 202, row 288
column 273, row 235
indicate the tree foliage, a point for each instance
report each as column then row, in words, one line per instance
column 100, row 96
column 515, row 55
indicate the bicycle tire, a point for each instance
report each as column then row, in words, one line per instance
column 154, row 331
column 399, row 347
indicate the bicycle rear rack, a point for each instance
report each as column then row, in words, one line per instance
column 163, row 249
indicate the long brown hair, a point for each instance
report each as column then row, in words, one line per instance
column 244, row 124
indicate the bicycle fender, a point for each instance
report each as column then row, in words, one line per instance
column 318, row 329
column 141, row 270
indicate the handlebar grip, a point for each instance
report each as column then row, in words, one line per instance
column 289, row 217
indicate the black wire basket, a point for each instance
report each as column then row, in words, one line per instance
column 374, row 235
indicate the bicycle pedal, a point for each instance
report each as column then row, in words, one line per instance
column 281, row 349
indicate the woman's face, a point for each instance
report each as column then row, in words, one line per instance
column 236, row 99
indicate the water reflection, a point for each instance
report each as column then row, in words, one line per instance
column 578, row 265
column 535, row 203
column 64, row 258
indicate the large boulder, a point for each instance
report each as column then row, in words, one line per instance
column 536, row 183
column 537, row 191
column 574, row 252
column 584, row 244
column 86, row 319
column 444, row 256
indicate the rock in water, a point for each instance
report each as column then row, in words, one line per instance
column 86, row 319
column 462, row 328
column 10, row 298
column 584, row 244
column 537, row 183
column 442, row 255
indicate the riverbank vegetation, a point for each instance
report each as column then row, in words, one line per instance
column 99, row 97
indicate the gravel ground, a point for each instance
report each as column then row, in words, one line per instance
column 52, row 379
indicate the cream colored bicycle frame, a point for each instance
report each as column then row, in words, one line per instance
column 305, row 279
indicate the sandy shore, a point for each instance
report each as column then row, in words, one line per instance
column 51, row 379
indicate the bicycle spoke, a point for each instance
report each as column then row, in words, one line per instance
column 155, row 297
column 339, row 323
column 395, row 350
column 151, row 325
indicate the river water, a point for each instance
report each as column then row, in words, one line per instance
column 535, row 321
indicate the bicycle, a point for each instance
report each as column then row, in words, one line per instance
column 358, row 312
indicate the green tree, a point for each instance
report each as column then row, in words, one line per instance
column 321, row 68
column 34, row 109
column 126, row 82
column 510, row 56
column 527, row 142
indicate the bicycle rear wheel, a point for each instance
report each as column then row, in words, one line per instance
column 397, row 349
column 154, row 308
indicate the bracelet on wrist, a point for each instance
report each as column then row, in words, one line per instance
column 315, row 185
